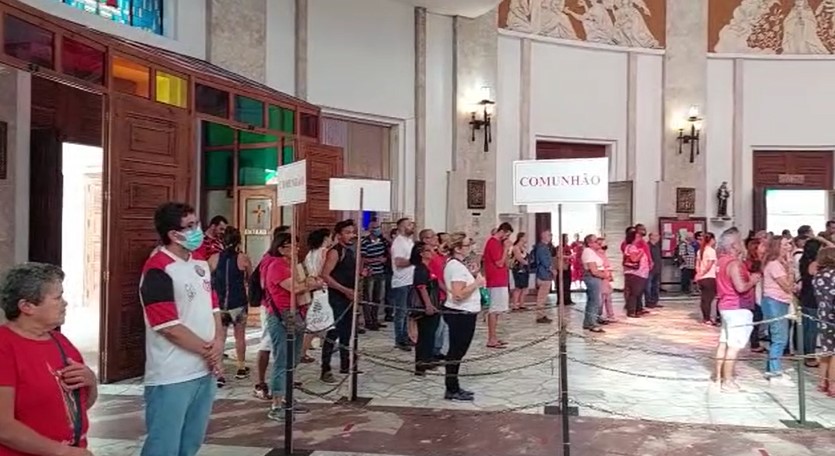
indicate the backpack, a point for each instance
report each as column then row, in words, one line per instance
column 256, row 292
column 532, row 264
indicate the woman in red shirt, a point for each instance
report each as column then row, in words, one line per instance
column 45, row 388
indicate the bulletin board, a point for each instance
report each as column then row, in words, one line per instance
column 672, row 229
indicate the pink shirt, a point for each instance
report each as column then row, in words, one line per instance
column 606, row 286
column 643, row 263
column 773, row 271
column 727, row 296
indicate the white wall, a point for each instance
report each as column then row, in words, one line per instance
column 440, row 94
column 648, row 134
column 184, row 25
column 361, row 56
column 760, row 104
column 281, row 45
column 508, row 117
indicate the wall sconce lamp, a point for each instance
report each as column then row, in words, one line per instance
column 484, row 123
column 691, row 138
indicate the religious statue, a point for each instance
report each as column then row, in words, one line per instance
column 722, row 195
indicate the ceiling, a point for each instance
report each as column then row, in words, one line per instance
column 466, row 8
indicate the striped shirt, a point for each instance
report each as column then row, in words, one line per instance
column 373, row 249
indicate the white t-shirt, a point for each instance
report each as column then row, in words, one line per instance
column 402, row 248
column 709, row 254
column 455, row 271
column 590, row 256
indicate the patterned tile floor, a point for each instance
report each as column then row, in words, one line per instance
column 649, row 374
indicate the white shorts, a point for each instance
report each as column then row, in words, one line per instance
column 499, row 300
column 736, row 327
column 266, row 344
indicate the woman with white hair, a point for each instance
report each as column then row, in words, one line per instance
column 734, row 287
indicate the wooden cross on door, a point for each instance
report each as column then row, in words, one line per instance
column 259, row 212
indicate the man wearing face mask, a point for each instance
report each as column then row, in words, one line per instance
column 374, row 258
column 183, row 336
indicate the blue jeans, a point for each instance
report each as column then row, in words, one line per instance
column 399, row 299
column 177, row 415
column 441, row 335
column 592, row 300
column 651, row 292
column 278, row 339
column 810, row 332
column 778, row 330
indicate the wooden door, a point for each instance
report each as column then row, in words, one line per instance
column 92, row 239
column 616, row 216
column 258, row 216
column 760, row 211
column 46, row 196
column 148, row 163
column 323, row 162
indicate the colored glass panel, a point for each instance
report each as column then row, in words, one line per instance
column 288, row 155
column 218, row 168
column 211, row 101
column 143, row 14
column 217, row 135
column 82, row 61
column 249, row 111
column 131, row 77
column 28, row 42
column 171, row 89
column 282, row 119
column 248, row 137
column 257, row 166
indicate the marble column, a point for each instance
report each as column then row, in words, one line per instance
column 301, row 48
column 685, row 84
column 420, row 116
column 476, row 66
column 237, row 36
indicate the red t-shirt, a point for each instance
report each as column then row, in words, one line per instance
column 30, row 366
column 209, row 247
column 495, row 276
column 277, row 270
column 436, row 267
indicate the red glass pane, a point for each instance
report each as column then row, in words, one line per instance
column 82, row 61
column 27, row 42
column 309, row 125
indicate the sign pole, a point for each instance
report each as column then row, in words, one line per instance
column 356, row 305
column 563, row 324
column 289, row 324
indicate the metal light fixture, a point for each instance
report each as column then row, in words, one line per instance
column 484, row 123
column 692, row 138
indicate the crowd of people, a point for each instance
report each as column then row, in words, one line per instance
column 431, row 286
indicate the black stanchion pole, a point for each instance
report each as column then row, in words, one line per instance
column 801, row 378
column 563, row 323
column 354, row 370
column 290, row 328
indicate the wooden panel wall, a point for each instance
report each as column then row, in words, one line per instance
column 815, row 166
column 366, row 147
column 75, row 114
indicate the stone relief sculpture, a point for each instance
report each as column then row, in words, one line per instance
column 632, row 29
column 597, row 23
column 800, row 30
column 734, row 37
column 554, row 20
column 519, row 16
column 782, row 27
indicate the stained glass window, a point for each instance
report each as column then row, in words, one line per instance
column 287, row 155
column 28, row 42
column 257, row 166
column 82, row 61
column 211, row 101
column 171, row 89
column 218, row 168
column 282, row 119
column 131, row 77
column 249, row 111
column 217, row 135
column 143, row 14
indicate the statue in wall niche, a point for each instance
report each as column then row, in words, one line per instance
column 632, row 29
column 751, row 29
column 597, row 23
column 555, row 21
column 722, row 195
column 519, row 16
column 800, row 30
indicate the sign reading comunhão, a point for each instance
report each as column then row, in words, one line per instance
column 572, row 180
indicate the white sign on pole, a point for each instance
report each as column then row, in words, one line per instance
column 345, row 195
column 291, row 183
column 572, row 180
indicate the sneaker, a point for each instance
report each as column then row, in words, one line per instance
column 242, row 373
column 262, row 391
column 276, row 414
column 221, row 382
column 403, row 347
column 388, row 318
column 459, row 396
column 298, row 408
column 328, row 377
column 544, row 320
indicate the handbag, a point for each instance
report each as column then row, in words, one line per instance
column 299, row 324
column 76, row 411
column 319, row 314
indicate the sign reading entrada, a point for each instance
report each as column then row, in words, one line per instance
column 574, row 180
